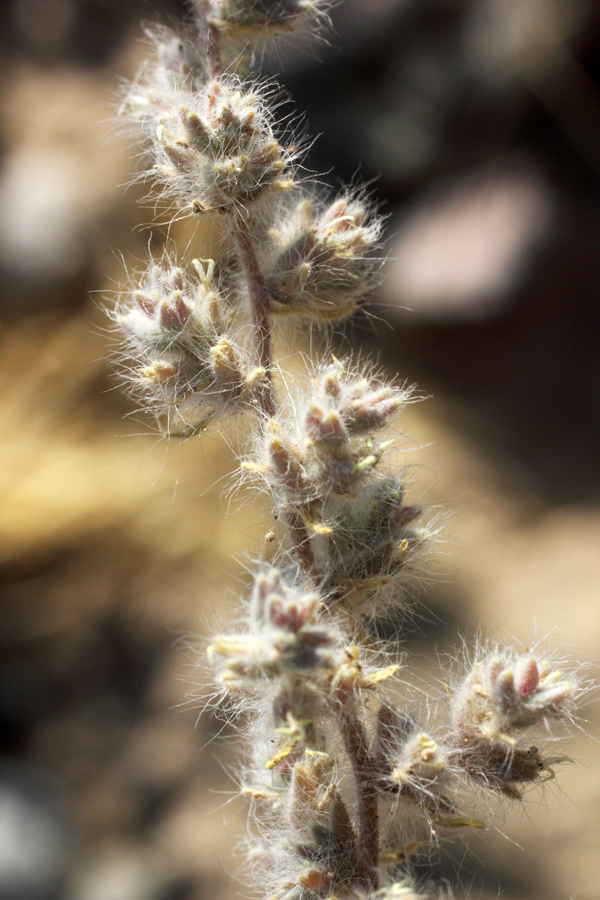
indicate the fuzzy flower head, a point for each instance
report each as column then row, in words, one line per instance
column 328, row 444
column 504, row 695
column 283, row 635
column 216, row 150
column 323, row 262
column 186, row 364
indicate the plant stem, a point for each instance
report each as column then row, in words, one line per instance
column 259, row 302
column 302, row 547
column 213, row 43
column 213, row 52
column 355, row 741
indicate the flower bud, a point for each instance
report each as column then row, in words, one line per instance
column 322, row 266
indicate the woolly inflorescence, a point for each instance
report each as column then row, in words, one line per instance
column 348, row 781
column 186, row 364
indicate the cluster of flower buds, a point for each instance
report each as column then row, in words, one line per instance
column 330, row 448
column 263, row 17
column 503, row 695
column 216, row 151
column 284, row 635
column 187, row 367
column 321, row 265
column 323, row 468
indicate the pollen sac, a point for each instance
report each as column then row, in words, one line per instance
column 502, row 696
column 217, row 150
column 322, row 267
column 284, row 635
column 186, row 368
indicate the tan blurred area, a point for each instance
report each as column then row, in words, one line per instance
column 119, row 553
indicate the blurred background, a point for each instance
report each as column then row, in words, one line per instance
column 478, row 125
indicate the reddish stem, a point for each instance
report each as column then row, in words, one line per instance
column 213, row 51
column 213, row 42
column 357, row 747
column 259, row 303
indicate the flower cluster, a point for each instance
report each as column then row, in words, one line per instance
column 284, row 634
column 501, row 700
column 323, row 467
column 321, row 266
column 217, row 151
column 187, row 365
column 332, row 741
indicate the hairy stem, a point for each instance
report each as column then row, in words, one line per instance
column 355, row 741
column 259, row 302
column 213, row 42
column 302, row 548
column 213, row 51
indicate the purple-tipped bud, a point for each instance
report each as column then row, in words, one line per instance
column 527, row 676
column 146, row 303
column 323, row 426
column 173, row 313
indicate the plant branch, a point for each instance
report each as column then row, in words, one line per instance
column 213, row 42
column 355, row 741
column 259, row 303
